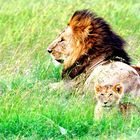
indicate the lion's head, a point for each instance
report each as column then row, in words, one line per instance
column 86, row 35
column 61, row 48
column 70, row 44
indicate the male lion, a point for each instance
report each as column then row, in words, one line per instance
column 86, row 43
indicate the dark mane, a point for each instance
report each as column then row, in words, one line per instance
column 99, row 40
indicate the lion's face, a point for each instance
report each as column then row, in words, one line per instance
column 69, row 46
column 108, row 96
column 62, row 47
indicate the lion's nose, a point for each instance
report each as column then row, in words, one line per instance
column 49, row 51
column 105, row 103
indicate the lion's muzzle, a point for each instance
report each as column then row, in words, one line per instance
column 49, row 50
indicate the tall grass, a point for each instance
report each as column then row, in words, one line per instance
column 28, row 109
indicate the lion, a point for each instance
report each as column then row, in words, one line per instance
column 87, row 43
column 109, row 101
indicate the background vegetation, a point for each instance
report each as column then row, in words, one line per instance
column 28, row 110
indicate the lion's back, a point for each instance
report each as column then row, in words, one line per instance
column 112, row 73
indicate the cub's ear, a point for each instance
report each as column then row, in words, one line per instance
column 81, row 21
column 97, row 88
column 118, row 88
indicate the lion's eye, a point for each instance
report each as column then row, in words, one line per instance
column 110, row 94
column 62, row 39
column 102, row 94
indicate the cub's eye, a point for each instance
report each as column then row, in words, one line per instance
column 102, row 94
column 110, row 94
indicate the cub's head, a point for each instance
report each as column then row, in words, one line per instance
column 108, row 95
column 81, row 33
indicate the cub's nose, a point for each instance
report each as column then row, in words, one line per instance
column 105, row 103
column 49, row 51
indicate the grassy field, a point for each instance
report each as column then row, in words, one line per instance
column 28, row 110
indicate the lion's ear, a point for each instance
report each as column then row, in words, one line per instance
column 98, row 88
column 118, row 88
column 81, row 21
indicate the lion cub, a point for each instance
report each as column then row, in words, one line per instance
column 108, row 100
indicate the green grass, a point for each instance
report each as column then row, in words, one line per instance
column 28, row 110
